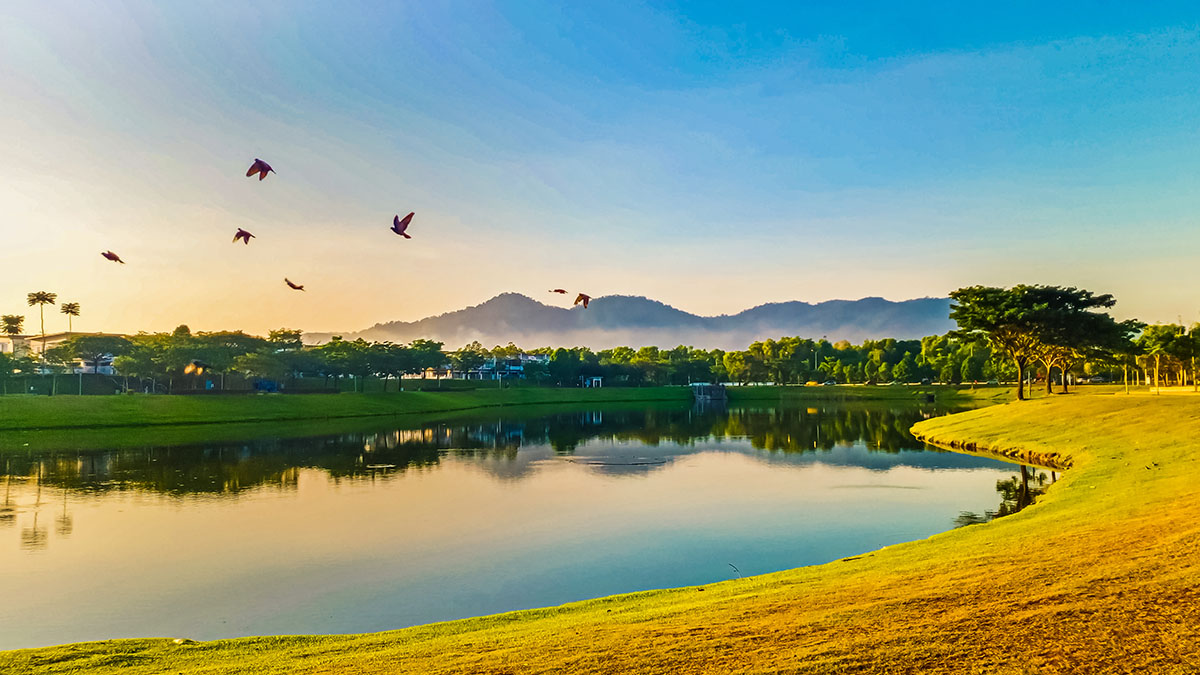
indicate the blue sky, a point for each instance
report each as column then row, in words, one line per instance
column 705, row 154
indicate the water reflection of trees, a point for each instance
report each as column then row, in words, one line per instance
column 809, row 429
column 1016, row 493
column 776, row 429
column 232, row 468
column 8, row 510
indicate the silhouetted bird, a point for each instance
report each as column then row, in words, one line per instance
column 259, row 167
column 559, row 290
column 585, row 299
column 113, row 257
column 294, row 287
column 243, row 235
column 399, row 226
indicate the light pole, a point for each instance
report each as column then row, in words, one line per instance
column 815, row 348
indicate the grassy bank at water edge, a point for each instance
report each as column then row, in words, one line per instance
column 77, row 412
column 28, row 413
column 115, row 438
column 1101, row 575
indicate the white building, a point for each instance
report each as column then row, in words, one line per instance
column 34, row 345
column 14, row 344
column 510, row 368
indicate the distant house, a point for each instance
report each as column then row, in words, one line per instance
column 33, row 345
column 512, row 368
column 439, row 373
column 591, row 381
column 14, row 344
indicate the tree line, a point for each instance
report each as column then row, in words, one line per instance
column 1003, row 334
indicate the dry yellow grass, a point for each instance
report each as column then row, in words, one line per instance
column 1102, row 575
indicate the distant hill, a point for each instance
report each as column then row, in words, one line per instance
column 635, row 321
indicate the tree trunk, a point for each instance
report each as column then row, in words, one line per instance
column 1064, row 367
column 1049, row 371
column 1020, row 378
column 1157, row 382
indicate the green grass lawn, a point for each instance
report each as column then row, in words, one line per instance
column 1101, row 575
column 75, row 412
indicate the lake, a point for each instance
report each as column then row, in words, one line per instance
column 392, row 524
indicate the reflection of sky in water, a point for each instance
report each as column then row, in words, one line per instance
column 138, row 545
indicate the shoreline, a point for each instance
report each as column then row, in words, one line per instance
column 33, row 415
column 1044, row 459
column 65, row 413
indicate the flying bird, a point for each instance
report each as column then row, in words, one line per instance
column 113, row 257
column 259, row 167
column 243, row 235
column 294, row 287
column 399, row 226
column 563, row 291
column 584, row 298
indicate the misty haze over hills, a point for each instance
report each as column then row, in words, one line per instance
column 636, row 321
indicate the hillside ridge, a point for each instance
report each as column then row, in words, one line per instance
column 632, row 320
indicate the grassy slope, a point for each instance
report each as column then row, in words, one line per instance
column 111, row 438
column 1102, row 575
column 63, row 412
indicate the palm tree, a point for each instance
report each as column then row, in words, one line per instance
column 41, row 299
column 71, row 309
column 13, row 324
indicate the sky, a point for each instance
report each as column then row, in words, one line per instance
column 708, row 155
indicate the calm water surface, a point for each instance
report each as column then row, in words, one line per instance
column 392, row 527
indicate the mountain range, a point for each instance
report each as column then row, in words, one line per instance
column 635, row 321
